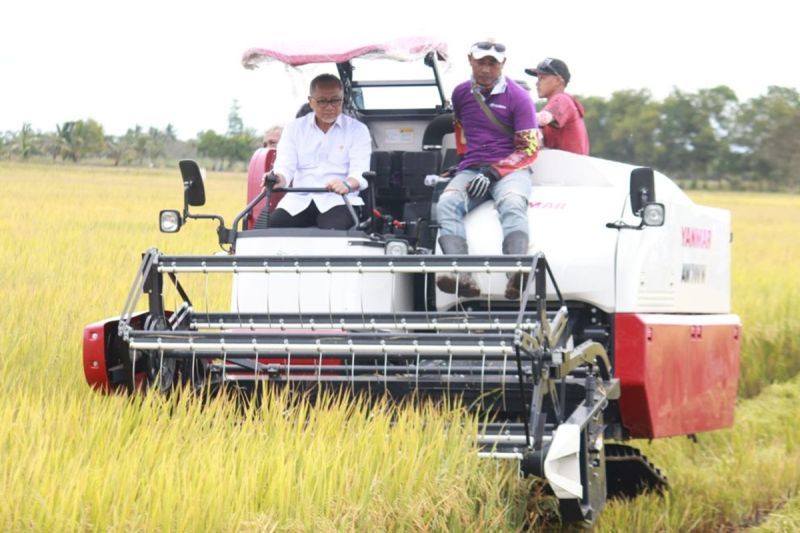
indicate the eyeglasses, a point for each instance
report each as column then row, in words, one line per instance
column 332, row 102
column 488, row 45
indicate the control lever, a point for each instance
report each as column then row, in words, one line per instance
column 431, row 180
column 389, row 220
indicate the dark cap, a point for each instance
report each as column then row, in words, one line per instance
column 550, row 66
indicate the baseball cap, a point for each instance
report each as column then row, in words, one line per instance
column 483, row 49
column 550, row 66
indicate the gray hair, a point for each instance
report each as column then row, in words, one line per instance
column 326, row 80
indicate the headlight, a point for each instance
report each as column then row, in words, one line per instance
column 396, row 248
column 653, row 215
column 169, row 221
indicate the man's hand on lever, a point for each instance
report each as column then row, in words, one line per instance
column 273, row 180
column 341, row 187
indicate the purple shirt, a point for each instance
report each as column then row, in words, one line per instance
column 511, row 104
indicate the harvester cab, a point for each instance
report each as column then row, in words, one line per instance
column 623, row 330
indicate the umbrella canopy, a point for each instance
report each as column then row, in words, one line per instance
column 405, row 49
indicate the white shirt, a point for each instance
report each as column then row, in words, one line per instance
column 308, row 157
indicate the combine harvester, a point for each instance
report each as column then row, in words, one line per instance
column 623, row 331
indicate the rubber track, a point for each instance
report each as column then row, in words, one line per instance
column 629, row 472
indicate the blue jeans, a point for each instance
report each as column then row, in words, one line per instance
column 510, row 196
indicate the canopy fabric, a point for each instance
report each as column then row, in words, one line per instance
column 405, row 49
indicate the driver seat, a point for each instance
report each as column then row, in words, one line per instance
column 260, row 163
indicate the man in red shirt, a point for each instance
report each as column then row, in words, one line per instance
column 561, row 119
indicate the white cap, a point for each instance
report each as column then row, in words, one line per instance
column 483, row 49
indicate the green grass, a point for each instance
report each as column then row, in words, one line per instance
column 783, row 519
column 729, row 478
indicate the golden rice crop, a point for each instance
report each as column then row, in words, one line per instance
column 766, row 282
column 72, row 459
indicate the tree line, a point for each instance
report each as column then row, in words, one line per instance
column 82, row 140
column 703, row 138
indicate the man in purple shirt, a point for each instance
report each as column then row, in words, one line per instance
column 497, row 149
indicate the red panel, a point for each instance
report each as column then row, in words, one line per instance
column 260, row 163
column 96, row 344
column 678, row 373
column 94, row 354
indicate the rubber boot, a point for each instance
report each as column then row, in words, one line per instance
column 463, row 284
column 515, row 243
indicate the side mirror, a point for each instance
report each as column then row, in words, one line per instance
column 643, row 189
column 194, row 192
column 643, row 201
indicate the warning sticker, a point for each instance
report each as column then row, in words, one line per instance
column 400, row 136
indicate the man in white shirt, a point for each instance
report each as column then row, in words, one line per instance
column 324, row 149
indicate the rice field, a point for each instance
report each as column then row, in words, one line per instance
column 75, row 460
column 766, row 282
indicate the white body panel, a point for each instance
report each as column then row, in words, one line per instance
column 317, row 293
column 682, row 267
column 562, row 467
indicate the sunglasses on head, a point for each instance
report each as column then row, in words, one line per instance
column 546, row 67
column 486, row 45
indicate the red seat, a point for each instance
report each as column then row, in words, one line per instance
column 260, row 164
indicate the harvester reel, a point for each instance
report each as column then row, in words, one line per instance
column 546, row 397
column 159, row 371
column 163, row 373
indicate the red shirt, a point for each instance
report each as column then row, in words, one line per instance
column 567, row 131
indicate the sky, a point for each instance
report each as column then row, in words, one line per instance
column 159, row 62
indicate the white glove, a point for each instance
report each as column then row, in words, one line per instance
column 478, row 186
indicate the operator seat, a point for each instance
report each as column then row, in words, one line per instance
column 433, row 139
column 260, row 163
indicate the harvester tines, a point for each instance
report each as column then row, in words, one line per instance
column 319, row 342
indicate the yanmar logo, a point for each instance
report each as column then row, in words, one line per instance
column 547, row 205
column 695, row 237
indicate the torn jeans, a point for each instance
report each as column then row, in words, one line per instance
column 510, row 196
